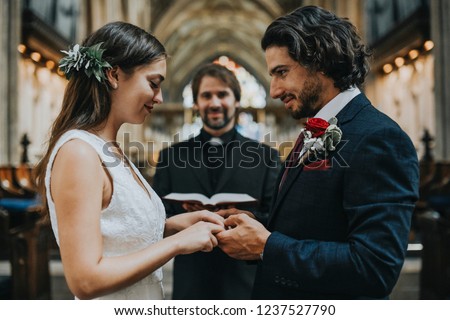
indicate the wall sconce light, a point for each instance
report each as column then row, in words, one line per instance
column 399, row 62
column 35, row 56
column 50, row 64
column 413, row 54
column 387, row 68
column 428, row 45
column 21, row 48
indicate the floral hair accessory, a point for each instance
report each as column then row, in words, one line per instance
column 321, row 136
column 88, row 59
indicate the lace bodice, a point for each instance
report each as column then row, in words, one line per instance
column 132, row 220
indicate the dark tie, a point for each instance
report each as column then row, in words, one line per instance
column 293, row 158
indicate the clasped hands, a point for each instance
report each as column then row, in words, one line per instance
column 235, row 232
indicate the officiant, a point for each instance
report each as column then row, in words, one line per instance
column 218, row 160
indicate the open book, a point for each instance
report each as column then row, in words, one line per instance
column 217, row 199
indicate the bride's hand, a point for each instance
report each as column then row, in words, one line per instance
column 198, row 237
column 182, row 221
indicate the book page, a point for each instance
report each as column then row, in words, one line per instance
column 231, row 198
column 220, row 198
column 187, row 197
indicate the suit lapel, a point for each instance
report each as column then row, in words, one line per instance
column 195, row 155
column 235, row 159
column 275, row 191
column 280, row 194
column 227, row 172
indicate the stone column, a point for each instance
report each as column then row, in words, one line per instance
column 9, row 40
column 4, row 44
column 440, row 34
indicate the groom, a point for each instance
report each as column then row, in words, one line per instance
column 340, row 217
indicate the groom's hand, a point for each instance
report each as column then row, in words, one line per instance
column 233, row 211
column 244, row 237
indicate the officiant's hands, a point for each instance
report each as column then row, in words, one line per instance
column 190, row 207
column 244, row 237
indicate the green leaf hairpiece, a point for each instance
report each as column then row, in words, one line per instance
column 88, row 59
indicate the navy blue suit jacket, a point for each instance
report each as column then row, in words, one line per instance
column 339, row 231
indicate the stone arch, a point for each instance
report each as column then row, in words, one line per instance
column 196, row 32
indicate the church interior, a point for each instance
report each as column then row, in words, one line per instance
column 409, row 75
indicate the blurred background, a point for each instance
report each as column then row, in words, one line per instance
column 409, row 82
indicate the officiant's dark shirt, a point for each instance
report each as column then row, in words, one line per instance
column 216, row 153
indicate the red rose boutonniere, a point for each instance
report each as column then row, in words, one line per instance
column 321, row 136
column 316, row 126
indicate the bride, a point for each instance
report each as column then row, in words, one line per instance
column 108, row 222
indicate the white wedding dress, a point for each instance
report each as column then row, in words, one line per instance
column 132, row 220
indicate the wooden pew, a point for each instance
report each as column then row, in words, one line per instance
column 26, row 246
column 8, row 187
column 24, row 177
column 435, row 272
column 433, row 177
column 4, row 232
column 30, row 261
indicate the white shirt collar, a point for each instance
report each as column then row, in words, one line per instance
column 332, row 108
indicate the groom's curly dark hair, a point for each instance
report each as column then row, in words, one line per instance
column 320, row 41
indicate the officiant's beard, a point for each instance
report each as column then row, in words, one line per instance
column 217, row 126
column 308, row 99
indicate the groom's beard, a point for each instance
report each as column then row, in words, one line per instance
column 308, row 99
column 219, row 125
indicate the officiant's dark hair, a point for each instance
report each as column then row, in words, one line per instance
column 216, row 71
column 320, row 41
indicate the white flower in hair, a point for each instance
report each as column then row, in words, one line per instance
column 88, row 59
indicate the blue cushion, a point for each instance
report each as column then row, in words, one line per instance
column 18, row 205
